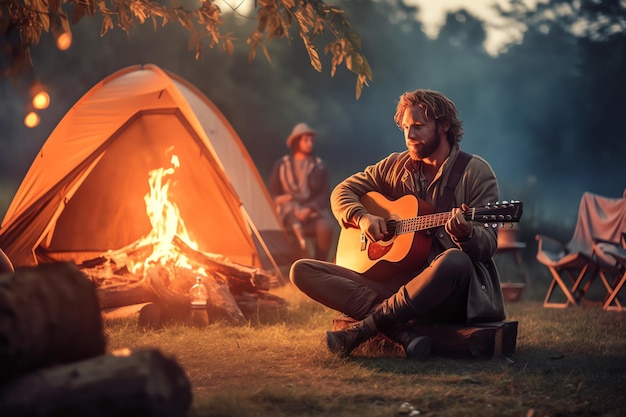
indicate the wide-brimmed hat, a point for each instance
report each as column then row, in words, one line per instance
column 299, row 130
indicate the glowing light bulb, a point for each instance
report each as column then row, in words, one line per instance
column 41, row 100
column 64, row 41
column 31, row 120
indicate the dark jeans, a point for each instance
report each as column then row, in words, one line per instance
column 437, row 293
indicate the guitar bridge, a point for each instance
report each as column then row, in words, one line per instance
column 363, row 242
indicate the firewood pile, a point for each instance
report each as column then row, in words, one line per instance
column 158, row 290
column 53, row 357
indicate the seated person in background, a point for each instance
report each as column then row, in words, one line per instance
column 456, row 281
column 300, row 188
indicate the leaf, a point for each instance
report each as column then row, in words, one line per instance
column 267, row 55
column 40, row 6
column 54, row 6
column 90, row 7
column 79, row 12
column 195, row 44
column 253, row 41
column 252, row 54
column 228, row 45
column 107, row 24
column 313, row 56
column 103, row 8
column 139, row 10
column 354, row 38
column 65, row 23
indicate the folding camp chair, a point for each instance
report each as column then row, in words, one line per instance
column 615, row 256
column 574, row 266
column 568, row 269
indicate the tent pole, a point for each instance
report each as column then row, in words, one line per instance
column 283, row 280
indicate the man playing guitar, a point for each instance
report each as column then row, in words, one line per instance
column 445, row 272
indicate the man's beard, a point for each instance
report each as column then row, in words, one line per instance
column 426, row 149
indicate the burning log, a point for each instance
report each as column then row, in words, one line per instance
column 49, row 314
column 246, row 276
column 235, row 291
column 145, row 383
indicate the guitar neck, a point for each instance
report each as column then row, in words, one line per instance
column 505, row 212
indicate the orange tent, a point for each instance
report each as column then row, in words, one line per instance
column 84, row 193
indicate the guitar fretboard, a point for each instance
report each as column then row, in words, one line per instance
column 422, row 222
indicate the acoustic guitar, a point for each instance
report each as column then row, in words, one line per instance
column 409, row 222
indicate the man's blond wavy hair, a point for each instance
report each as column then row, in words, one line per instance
column 435, row 106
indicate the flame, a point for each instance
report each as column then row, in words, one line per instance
column 165, row 220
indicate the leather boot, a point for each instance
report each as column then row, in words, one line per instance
column 393, row 310
column 342, row 342
column 415, row 346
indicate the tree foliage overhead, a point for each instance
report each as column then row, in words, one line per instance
column 22, row 23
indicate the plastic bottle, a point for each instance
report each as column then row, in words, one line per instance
column 199, row 298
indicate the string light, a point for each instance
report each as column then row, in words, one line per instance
column 61, row 31
column 41, row 100
column 64, row 41
column 31, row 120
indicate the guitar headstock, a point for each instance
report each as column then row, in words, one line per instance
column 494, row 213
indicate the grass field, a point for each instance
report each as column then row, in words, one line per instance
column 568, row 362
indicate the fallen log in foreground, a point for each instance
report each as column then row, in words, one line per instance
column 145, row 383
column 49, row 314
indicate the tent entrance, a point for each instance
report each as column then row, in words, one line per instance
column 108, row 210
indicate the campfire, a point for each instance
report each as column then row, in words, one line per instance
column 162, row 266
